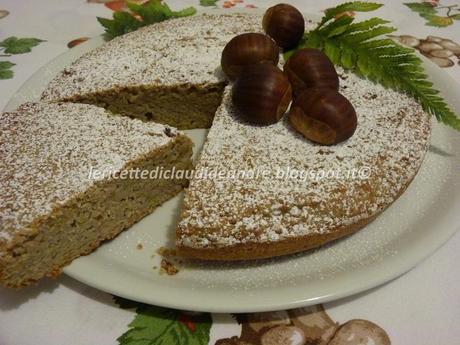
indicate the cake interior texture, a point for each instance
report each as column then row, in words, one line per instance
column 49, row 220
column 168, row 72
column 180, row 106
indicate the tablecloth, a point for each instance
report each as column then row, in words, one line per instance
column 422, row 307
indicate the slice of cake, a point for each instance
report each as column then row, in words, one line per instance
column 268, row 191
column 167, row 72
column 73, row 176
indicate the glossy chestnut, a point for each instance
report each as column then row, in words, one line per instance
column 248, row 49
column 310, row 67
column 262, row 94
column 323, row 116
column 285, row 24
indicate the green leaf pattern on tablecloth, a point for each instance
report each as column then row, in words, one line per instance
column 160, row 326
column 5, row 70
column 12, row 46
column 206, row 3
column 435, row 13
column 153, row 11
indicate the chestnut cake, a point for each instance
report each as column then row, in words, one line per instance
column 53, row 206
column 170, row 73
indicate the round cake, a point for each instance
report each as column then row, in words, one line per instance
column 300, row 194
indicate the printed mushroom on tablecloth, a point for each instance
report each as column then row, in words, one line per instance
column 304, row 326
column 442, row 51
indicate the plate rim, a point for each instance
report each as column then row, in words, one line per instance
column 404, row 261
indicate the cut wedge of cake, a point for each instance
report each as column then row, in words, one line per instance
column 303, row 195
column 63, row 187
column 167, row 72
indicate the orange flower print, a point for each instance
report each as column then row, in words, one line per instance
column 233, row 3
column 77, row 41
column 117, row 5
column 228, row 4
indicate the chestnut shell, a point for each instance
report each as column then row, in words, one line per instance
column 248, row 49
column 323, row 116
column 310, row 67
column 285, row 24
column 262, row 94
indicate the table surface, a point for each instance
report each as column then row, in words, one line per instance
column 421, row 307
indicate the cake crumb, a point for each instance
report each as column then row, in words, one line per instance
column 169, row 132
column 168, row 268
column 163, row 251
column 140, row 246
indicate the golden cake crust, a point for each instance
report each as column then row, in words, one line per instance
column 253, row 250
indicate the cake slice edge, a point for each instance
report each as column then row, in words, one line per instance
column 87, row 219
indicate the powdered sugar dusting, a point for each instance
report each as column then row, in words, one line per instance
column 391, row 139
column 174, row 52
column 48, row 150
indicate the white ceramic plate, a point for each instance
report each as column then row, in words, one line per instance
column 412, row 228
